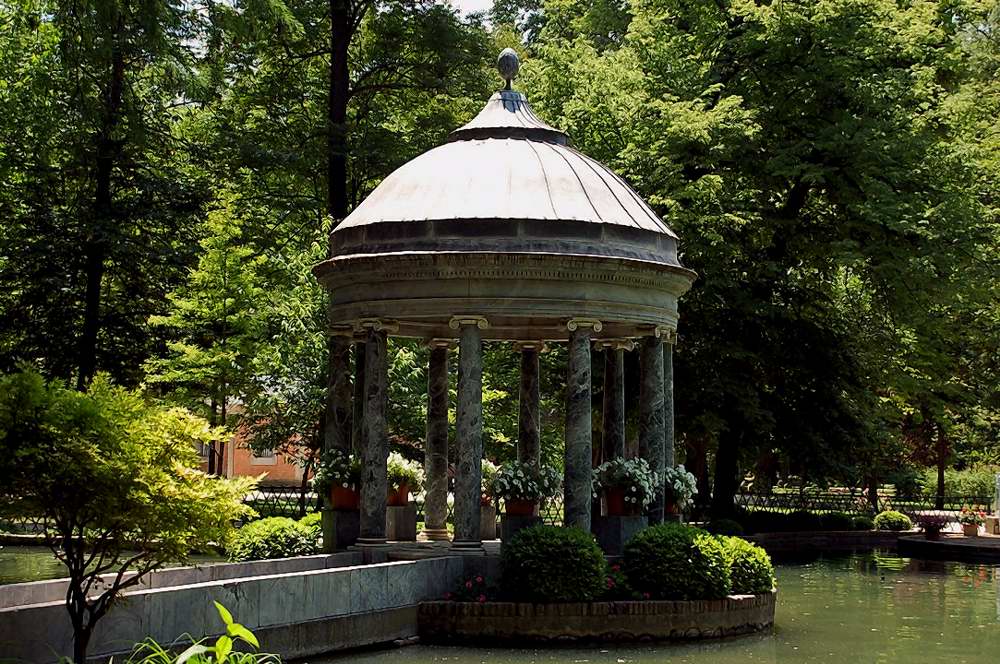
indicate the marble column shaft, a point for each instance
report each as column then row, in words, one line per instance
column 579, row 434
column 436, row 446
column 613, row 435
column 668, row 405
column 651, row 445
column 529, row 449
column 337, row 423
column 358, row 420
column 375, row 451
column 469, row 435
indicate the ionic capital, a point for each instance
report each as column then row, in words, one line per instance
column 458, row 321
column 447, row 344
column 574, row 324
column 666, row 334
column 376, row 324
column 530, row 345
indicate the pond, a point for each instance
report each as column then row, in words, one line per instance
column 36, row 563
column 863, row 608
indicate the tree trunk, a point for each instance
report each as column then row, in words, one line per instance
column 942, row 459
column 726, row 476
column 95, row 246
column 81, row 641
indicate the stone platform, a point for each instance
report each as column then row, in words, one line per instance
column 981, row 549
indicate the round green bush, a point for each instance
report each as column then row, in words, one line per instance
column 724, row 527
column 750, row 568
column 836, row 521
column 313, row 521
column 673, row 561
column 862, row 523
column 892, row 520
column 551, row 564
column 275, row 537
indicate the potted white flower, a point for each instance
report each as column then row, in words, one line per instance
column 404, row 476
column 679, row 487
column 629, row 485
column 522, row 486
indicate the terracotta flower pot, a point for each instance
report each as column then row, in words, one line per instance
column 932, row 533
column 614, row 500
column 970, row 529
column 513, row 507
column 344, row 498
column 671, row 507
column 399, row 497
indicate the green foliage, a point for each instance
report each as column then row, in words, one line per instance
column 552, row 564
column 337, row 468
column 836, row 521
column 112, row 469
column 724, row 527
column 314, row 522
column 677, row 562
column 199, row 652
column 892, row 520
column 274, row 537
column 523, row 481
column 979, row 481
column 633, row 475
column 750, row 567
column 862, row 523
column 473, row 589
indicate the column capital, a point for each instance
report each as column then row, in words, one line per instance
column 457, row 322
column 376, row 324
column 574, row 324
column 341, row 330
column 530, row 345
column 614, row 344
column 447, row 344
column 666, row 334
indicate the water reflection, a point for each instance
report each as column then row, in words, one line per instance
column 862, row 608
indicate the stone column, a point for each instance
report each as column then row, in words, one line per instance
column 668, row 400
column 651, row 413
column 579, row 434
column 436, row 445
column 375, row 450
column 337, row 424
column 529, row 448
column 358, row 420
column 469, row 434
column 613, row 435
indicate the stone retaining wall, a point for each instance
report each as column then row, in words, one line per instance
column 498, row 622
column 295, row 614
column 830, row 541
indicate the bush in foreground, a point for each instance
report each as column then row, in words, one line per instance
column 552, row 564
column 275, row 537
column 862, row 523
column 724, row 527
column 892, row 520
column 750, row 568
column 314, row 522
column 673, row 561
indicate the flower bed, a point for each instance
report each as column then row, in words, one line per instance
column 516, row 623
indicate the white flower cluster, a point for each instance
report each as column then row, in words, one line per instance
column 522, row 481
column 337, row 468
column 400, row 471
column 633, row 475
column 680, row 485
column 489, row 472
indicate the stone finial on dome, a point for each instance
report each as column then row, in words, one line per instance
column 507, row 64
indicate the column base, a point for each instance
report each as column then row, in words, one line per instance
column 372, row 543
column 436, row 534
column 467, row 548
column 612, row 532
column 488, row 522
column 509, row 525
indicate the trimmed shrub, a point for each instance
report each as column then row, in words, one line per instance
column 804, row 520
column 892, row 520
column 673, row 561
column 750, row 568
column 275, row 537
column 552, row 564
column 862, row 523
column 313, row 521
column 836, row 521
column 724, row 527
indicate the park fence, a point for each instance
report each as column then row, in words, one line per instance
column 825, row 502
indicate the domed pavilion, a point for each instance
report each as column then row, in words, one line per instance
column 503, row 233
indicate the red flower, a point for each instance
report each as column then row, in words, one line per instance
column 479, row 579
column 447, row 595
column 645, row 595
column 482, row 599
column 468, row 584
column 616, row 568
column 611, row 582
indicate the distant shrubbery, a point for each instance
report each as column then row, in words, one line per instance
column 781, row 522
column 275, row 537
column 892, row 520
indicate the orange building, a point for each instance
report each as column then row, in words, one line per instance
column 238, row 460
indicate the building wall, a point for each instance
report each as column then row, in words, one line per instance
column 240, row 461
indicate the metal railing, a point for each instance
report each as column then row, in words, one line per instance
column 281, row 501
column 823, row 502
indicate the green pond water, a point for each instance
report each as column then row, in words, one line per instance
column 36, row 563
column 875, row 608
